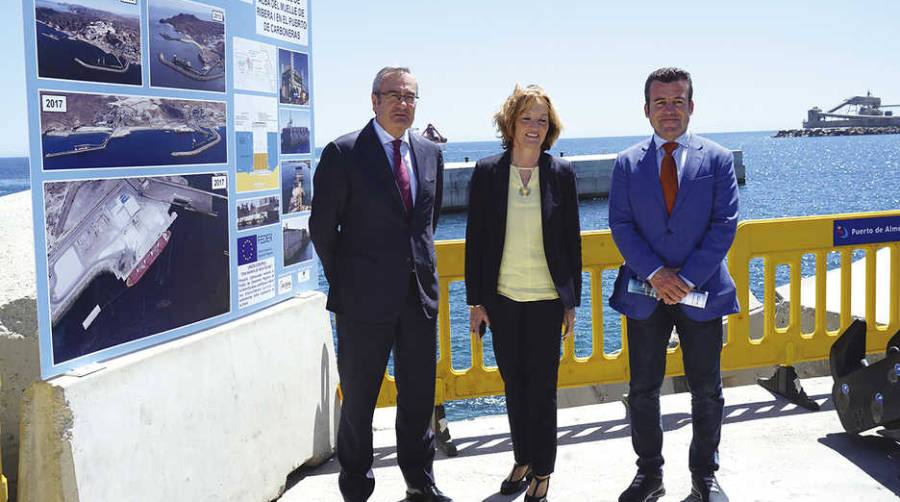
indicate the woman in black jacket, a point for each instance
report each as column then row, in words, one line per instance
column 523, row 274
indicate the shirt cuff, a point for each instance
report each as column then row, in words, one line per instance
column 654, row 272
column 686, row 281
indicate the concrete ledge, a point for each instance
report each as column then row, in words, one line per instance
column 592, row 174
column 19, row 353
column 225, row 414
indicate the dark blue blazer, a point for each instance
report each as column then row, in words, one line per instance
column 486, row 227
column 695, row 238
column 366, row 240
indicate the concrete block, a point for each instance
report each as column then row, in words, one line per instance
column 19, row 353
column 592, row 177
column 225, row 414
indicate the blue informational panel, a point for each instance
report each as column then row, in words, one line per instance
column 866, row 230
column 170, row 148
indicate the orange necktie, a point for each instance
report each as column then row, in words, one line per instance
column 668, row 175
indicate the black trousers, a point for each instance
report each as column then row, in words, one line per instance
column 526, row 338
column 362, row 356
column 701, row 349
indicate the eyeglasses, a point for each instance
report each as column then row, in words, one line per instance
column 395, row 98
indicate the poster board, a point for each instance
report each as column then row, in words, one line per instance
column 171, row 167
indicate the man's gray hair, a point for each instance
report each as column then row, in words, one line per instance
column 387, row 70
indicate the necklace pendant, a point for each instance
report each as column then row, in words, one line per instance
column 524, row 191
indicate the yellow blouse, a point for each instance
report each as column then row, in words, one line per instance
column 524, row 274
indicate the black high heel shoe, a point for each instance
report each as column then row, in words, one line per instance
column 510, row 486
column 537, row 484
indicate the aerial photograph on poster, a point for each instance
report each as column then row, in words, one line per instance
column 129, row 258
column 294, row 67
column 187, row 45
column 294, row 124
column 296, row 190
column 295, row 239
column 252, row 213
column 102, row 130
column 89, row 40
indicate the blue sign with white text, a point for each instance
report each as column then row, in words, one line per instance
column 866, row 230
column 156, row 129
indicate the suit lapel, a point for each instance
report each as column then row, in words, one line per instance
column 419, row 169
column 378, row 159
column 648, row 168
column 501, row 194
column 692, row 162
column 546, row 194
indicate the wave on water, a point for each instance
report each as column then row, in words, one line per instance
column 14, row 175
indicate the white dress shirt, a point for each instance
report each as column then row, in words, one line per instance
column 386, row 141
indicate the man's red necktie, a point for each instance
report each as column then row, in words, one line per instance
column 402, row 177
column 668, row 175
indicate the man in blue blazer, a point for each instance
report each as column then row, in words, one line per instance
column 673, row 212
column 376, row 201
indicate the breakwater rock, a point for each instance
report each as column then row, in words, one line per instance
column 835, row 131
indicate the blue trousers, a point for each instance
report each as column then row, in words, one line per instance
column 701, row 346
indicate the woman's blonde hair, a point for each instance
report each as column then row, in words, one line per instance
column 516, row 103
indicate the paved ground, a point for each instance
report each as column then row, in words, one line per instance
column 770, row 451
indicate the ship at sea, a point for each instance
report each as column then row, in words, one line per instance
column 856, row 115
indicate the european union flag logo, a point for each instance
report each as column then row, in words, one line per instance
column 246, row 250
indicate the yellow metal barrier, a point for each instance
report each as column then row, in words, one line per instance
column 4, row 490
column 777, row 242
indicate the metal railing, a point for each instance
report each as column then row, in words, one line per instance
column 777, row 242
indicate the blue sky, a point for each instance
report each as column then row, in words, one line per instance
column 756, row 65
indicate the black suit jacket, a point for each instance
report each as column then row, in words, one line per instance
column 486, row 227
column 367, row 242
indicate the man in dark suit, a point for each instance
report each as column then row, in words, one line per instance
column 673, row 210
column 376, row 201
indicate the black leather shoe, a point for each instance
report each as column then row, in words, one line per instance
column 644, row 488
column 510, row 486
column 707, row 489
column 428, row 494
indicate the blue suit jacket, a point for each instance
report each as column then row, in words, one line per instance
column 695, row 238
column 367, row 242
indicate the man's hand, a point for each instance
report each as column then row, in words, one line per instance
column 477, row 315
column 669, row 286
column 568, row 322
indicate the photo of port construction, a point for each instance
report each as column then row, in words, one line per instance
column 252, row 213
column 294, row 124
column 296, row 186
column 187, row 45
column 89, row 40
column 102, row 130
column 295, row 238
column 129, row 258
column 294, row 75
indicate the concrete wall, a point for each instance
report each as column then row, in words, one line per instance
column 592, row 174
column 224, row 414
column 19, row 358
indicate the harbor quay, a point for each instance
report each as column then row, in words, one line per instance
column 771, row 451
column 111, row 432
column 592, row 175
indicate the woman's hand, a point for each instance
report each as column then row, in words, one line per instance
column 568, row 322
column 477, row 315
